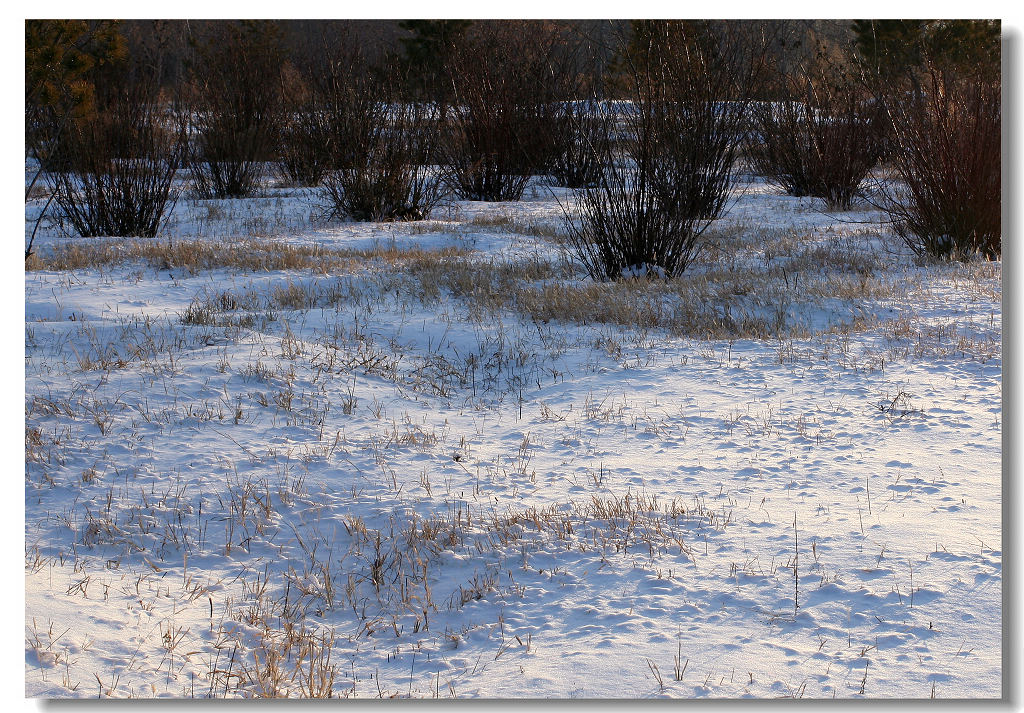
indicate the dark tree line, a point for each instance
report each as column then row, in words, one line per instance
column 384, row 118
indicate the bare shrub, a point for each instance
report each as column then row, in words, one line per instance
column 581, row 136
column 380, row 150
column 384, row 180
column 946, row 201
column 301, row 161
column 301, row 158
column 237, row 81
column 504, row 91
column 822, row 140
column 61, row 62
column 680, row 133
column 126, row 156
column 578, row 133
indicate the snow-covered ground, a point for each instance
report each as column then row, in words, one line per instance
column 451, row 465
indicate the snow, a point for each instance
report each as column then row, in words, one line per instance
column 564, row 509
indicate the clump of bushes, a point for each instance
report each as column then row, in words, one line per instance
column 385, row 179
column 124, row 158
column 380, row 149
column 822, row 139
column 238, row 108
column 581, row 135
column 947, row 199
column 679, row 137
column 504, row 78
column 301, row 158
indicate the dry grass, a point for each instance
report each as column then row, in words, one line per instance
column 506, row 222
column 750, row 288
column 911, row 338
column 487, row 284
column 750, row 303
column 385, row 577
column 500, row 222
column 385, row 573
column 195, row 256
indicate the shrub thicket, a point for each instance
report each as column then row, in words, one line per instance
column 689, row 85
column 380, row 149
column 504, row 78
column 579, row 132
column 581, row 135
column 946, row 200
column 238, row 108
column 386, row 179
column 821, row 140
column 62, row 59
column 301, row 158
column 125, row 157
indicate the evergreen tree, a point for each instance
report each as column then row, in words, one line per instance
column 892, row 48
column 61, row 55
column 427, row 50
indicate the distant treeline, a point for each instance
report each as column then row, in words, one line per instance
column 386, row 118
column 71, row 60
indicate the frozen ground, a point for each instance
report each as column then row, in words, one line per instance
column 449, row 465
